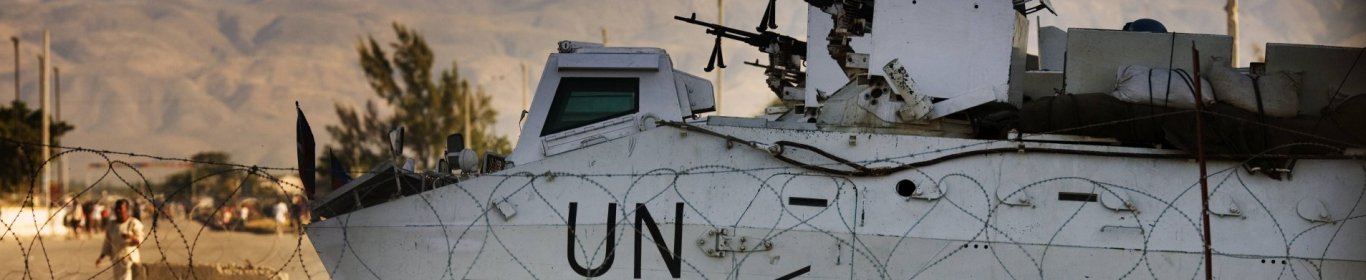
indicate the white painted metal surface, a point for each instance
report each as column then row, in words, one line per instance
column 823, row 74
column 867, row 230
column 1052, row 48
column 960, row 50
column 623, row 197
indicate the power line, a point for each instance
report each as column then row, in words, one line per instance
column 147, row 156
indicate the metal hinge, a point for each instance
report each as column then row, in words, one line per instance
column 716, row 243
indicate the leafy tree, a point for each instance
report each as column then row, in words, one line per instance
column 359, row 136
column 19, row 161
column 428, row 108
column 217, row 180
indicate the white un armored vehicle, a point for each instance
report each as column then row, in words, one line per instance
column 916, row 139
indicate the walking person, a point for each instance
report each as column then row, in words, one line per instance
column 122, row 237
column 98, row 213
column 281, row 212
column 87, row 219
column 76, row 219
column 299, row 210
column 137, row 209
column 243, row 213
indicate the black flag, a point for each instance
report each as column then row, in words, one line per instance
column 304, row 134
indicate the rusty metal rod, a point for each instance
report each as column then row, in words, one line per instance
column 1200, row 157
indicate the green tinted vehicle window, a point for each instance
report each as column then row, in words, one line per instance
column 582, row 101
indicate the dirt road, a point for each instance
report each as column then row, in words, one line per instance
column 68, row 258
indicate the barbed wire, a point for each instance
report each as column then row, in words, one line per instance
column 770, row 182
column 140, row 155
column 139, row 186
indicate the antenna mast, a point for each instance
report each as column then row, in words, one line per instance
column 525, row 108
column 45, row 87
column 1232, row 9
column 15, row 39
column 720, row 77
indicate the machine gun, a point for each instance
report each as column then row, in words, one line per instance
column 785, row 53
column 852, row 18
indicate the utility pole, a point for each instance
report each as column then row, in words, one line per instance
column 525, row 108
column 468, row 115
column 15, row 39
column 720, row 77
column 194, row 193
column 57, row 116
column 45, row 87
column 1232, row 9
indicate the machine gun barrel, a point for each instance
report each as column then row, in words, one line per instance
column 761, row 40
column 751, row 38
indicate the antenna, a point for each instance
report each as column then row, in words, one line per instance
column 525, row 108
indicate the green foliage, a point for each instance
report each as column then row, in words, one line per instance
column 19, row 162
column 359, row 137
column 208, row 179
column 214, row 157
column 429, row 109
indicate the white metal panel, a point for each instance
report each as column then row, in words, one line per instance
column 823, row 74
column 1052, row 48
column 528, row 147
column 1094, row 55
column 613, row 61
column 699, row 93
column 589, row 135
column 951, row 48
column 1018, row 55
column 1042, row 83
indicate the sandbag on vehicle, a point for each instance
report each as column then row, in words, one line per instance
column 1279, row 91
column 1159, row 87
column 1229, row 131
column 1280, row 94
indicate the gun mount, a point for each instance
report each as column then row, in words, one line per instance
column 785, row 53
column 852, row 18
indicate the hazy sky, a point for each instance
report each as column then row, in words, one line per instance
column 177, row 77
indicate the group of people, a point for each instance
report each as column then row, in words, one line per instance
column 284, row 214
column 86, row 218
column 123, row 231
